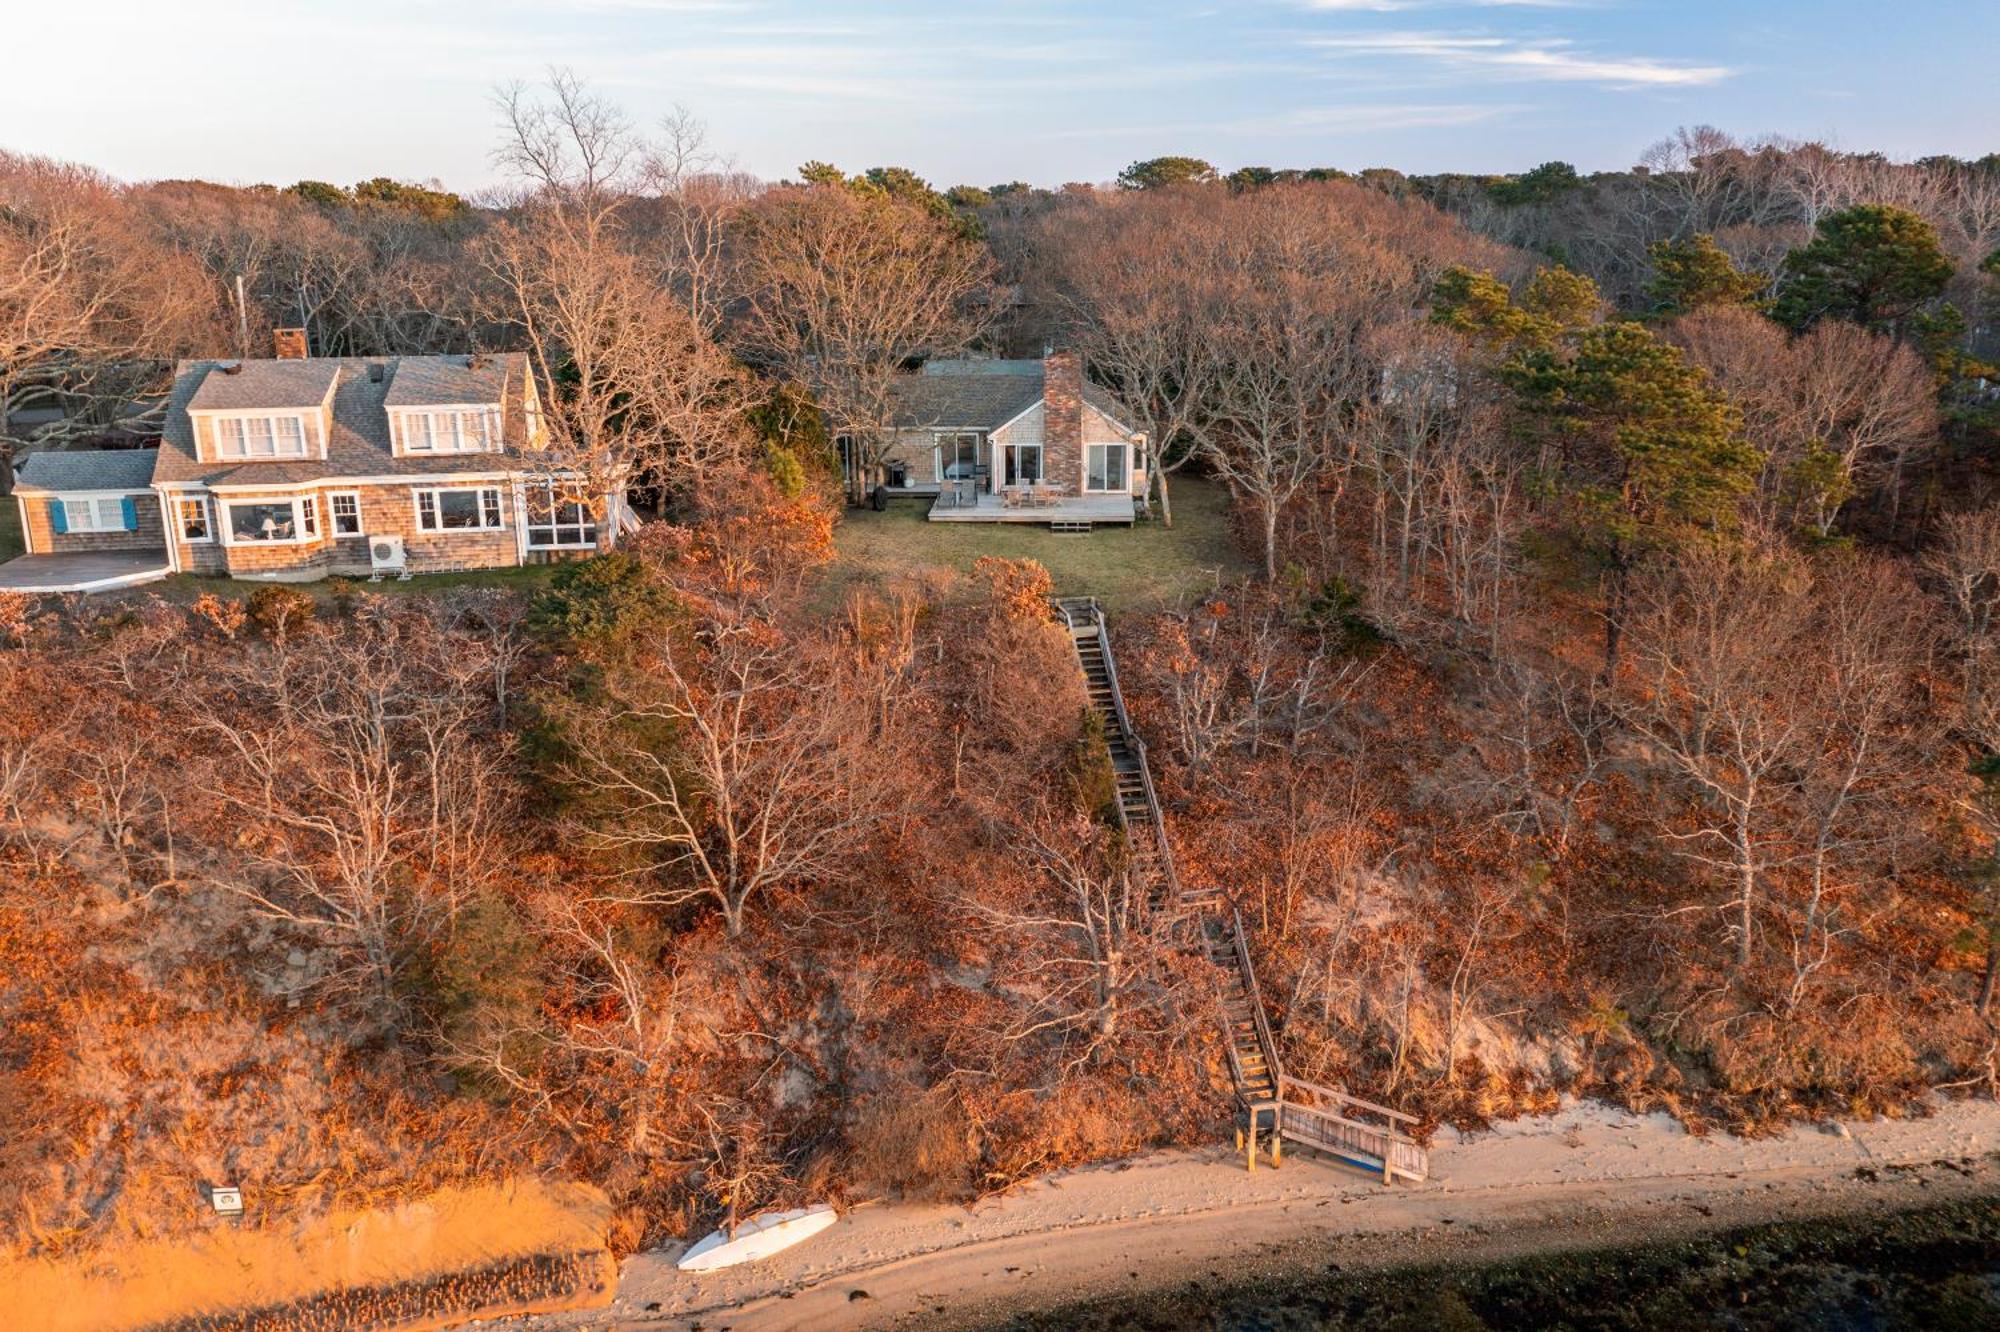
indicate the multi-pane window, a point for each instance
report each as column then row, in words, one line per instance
column 346, row 507
column 103, row 514
column 259, row 521
column 459, row 510
column 254, row 437
column 557, row 519
column 191, row 516
column 448, row 431
column 1104, row 467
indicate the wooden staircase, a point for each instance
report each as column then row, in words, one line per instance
column 1275, row 1107
column 1151, row 859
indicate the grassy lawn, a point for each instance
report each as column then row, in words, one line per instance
column 182, row 588
column 1138, row 568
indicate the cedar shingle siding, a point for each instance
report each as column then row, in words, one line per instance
column 352, row 407
column 43, row 539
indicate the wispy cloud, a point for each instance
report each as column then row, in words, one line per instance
column 1319, row 121
column 1551, row 60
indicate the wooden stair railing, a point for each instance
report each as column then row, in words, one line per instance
column 1278, row 1107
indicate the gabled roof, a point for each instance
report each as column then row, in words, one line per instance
column 272, row 384
column 447, row 381
column 87, row 469
column 358, row 444
column 980, row 394
column 951, row 393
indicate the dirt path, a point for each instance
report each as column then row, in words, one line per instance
column 1587, row 1176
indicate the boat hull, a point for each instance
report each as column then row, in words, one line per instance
column 759, row 1237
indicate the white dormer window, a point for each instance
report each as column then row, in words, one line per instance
column 259, row 437
column 450, row 430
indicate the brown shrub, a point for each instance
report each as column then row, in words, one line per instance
column 918, row 1146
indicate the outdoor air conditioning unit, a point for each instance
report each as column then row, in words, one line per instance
column 386, row 555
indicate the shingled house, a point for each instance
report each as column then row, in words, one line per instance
column 97, row 509
column 1029, row 441
column 299, row 468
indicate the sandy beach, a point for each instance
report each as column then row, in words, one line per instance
column 1587, row 1176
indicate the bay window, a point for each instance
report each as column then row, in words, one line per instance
column 459, row 510
column 273, row 521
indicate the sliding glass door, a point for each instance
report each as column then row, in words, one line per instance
column 1105, row 468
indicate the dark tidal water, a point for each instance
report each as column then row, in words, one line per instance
column 1935, row 1269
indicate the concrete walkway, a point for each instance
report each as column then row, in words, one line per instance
column 83, row 571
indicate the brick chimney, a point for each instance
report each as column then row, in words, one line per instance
column 290, row 343
column 1062, row 419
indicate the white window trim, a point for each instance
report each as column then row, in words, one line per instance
column 1124, row 489
column 528, row 523
column 401, row 419
column 1014, row 452
column 944, row 453
column 91, row 500
column 174, row 503
column 417, row 509
column 332, row 520
column 449, row 480
column 313, row 442
column 301, row 505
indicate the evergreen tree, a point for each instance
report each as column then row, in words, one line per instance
column 1653, row 454
column 1157, row 171
column 1871, row 264
column 1696, row 274
column 1650, row 452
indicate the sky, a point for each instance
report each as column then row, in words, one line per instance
column 984, row 91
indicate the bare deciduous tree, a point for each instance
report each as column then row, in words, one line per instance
column 845, row 290
column 726, row 766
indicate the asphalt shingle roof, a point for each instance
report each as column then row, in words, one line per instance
column 980, row 395
column 358, row 444
column 445, row 381
column 88, row 469
column 273, row 384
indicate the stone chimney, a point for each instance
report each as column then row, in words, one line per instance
column 1062, row 419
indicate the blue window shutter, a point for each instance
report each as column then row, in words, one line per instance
column 58, row 520
column 131, row 508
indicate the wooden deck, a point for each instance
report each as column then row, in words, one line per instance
column 83, row 571
column 954, row 507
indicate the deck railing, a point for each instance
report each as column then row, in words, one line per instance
column 1240, row 945
column 1336, row 1122
column 1304, row 1112
column 1093, row 615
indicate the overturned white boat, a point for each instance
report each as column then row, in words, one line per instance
column 759, row 1237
